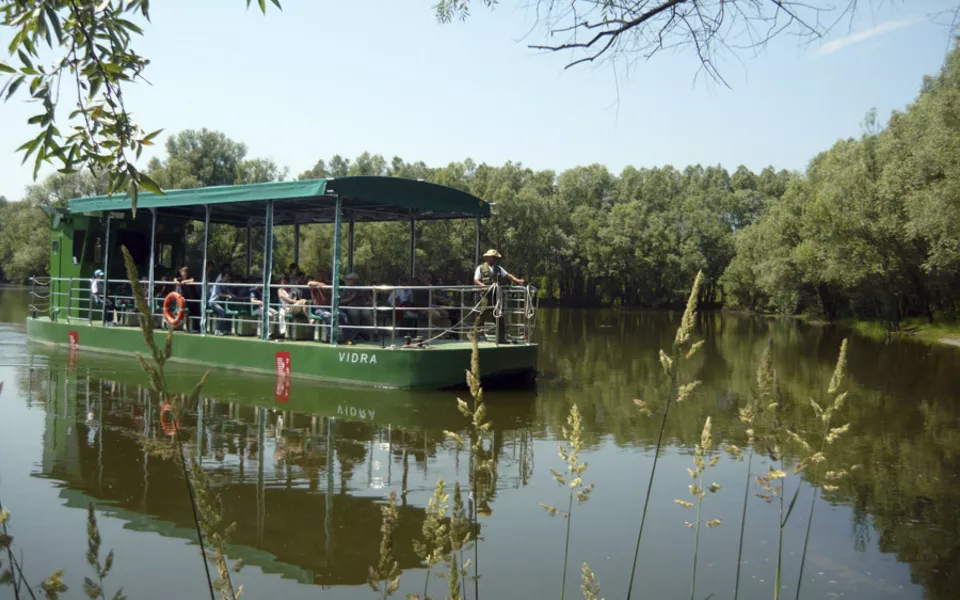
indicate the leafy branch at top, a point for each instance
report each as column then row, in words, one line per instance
column 92, row 46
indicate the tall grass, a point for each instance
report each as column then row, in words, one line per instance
column 482, row 468
column 747, row 415
column 94, row 589
column 205, row 503
column 828, row 435
column 571, row 480
column 701, row 455
column 683, row 349
column 385, row 577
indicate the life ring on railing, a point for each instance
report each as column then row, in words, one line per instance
column 169, row 427
column 181, row 308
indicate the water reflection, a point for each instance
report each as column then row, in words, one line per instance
column 303, row 485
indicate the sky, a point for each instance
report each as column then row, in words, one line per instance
column 324, row 77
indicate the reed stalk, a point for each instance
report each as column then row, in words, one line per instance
column 459, row 537
column 94, row 589
column 385, row 577
column 432, row 550
column 206, row 516
column 701, row 461
column 683, row 349
column 828, row 436
column 572, row 480
column 763, row 395
column 482, row 467
column 12, row 575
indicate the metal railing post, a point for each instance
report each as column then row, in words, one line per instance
column 335, row 274
column 267, row 271
column 203, row 294
column 69, row 296
column 153, row 259
column 393, row 333
column 462, row 316
column 106, row 272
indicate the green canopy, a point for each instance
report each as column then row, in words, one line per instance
column 310, row 201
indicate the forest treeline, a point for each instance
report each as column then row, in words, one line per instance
column 871, row 229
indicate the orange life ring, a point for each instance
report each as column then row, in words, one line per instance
column 181, row 308
column 169, row 427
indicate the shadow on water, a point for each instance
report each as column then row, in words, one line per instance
column 303, row 471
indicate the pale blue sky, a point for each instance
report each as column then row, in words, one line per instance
column 325, row 77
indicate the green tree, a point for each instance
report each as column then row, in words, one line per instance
column 90, row 43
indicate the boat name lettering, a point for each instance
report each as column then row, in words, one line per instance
column 353, row 411
column 357, row 357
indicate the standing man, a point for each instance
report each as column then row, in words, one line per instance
column 486, row 274
column 489, row 271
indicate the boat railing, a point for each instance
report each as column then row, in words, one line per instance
column 395, row 315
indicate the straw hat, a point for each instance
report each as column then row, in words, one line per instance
column 492, row 253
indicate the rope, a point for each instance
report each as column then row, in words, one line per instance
column 498, row 304
column 531, row 301
column 459, row 327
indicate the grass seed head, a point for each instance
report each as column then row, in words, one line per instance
column 589, row 584
column 689, row 319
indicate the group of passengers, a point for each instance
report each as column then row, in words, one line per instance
column 310, row 297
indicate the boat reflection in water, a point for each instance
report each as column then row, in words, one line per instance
column 303, row 478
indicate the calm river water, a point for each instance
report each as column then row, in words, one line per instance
column 304, row 479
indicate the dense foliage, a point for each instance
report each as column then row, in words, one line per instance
column 871, row 229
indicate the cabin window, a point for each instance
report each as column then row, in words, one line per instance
column 165, row 255
column 79, row 237
column 56, row 247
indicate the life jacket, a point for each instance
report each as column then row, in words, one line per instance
column 486, row 274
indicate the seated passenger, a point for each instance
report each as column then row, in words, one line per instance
column 400, row 296
column 290, row 302
column 186, row 287
column 99, row 299
column 425, row 300
column 321, row 305
column 359, row 299
column 255, row 293
column 216, row 301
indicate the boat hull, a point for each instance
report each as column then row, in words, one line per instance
column 437, row 367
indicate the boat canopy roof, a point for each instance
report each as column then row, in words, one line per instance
column 363, row 198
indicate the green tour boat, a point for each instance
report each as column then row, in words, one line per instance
column 410, row 335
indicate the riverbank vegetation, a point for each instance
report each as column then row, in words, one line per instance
column 869, row 231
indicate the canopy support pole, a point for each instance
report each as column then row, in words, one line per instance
column 203, row 297
column 350, row 227
column 413, row 246
column 335, row 274
column 296, row 243
column 476, row 251
column 267, row 271
column 106, row 270
column 153, row 260
column 249, row 250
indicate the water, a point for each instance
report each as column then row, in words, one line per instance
column 304, row 480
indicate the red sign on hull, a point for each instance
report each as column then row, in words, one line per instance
column 282, row 392
column 73, row 343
